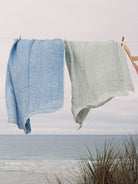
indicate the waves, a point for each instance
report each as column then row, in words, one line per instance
column 39, row 166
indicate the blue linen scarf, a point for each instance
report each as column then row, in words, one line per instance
column 34, row 79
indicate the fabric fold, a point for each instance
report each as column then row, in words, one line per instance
column 98, row 72
column 34, row 79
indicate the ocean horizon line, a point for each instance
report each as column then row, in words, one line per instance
column 68, row 134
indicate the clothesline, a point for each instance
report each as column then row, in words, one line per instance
column 35, row 85
column 11, row 38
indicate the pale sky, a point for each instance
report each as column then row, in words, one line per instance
column 93, row 20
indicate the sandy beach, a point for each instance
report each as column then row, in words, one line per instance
column 21, row 177
column 27, row 177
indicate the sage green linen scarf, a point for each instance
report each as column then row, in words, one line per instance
column 98, row 72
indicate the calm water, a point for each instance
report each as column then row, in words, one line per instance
column 46, row 153
column 51, row 147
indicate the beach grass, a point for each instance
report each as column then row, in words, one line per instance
column 112, row 165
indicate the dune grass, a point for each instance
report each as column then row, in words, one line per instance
column 127, row 171
column 112, row 165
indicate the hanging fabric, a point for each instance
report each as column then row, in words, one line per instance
column 98, row 73
column 34, row 81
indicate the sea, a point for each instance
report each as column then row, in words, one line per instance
column 40, row 159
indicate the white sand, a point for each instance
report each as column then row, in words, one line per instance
column 21, row 177
column 25, row 177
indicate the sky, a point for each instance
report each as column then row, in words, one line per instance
column 92, row 20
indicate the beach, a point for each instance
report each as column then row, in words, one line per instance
column 21, row 177
column 33, row 159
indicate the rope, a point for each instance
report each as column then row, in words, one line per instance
column 11, row 38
